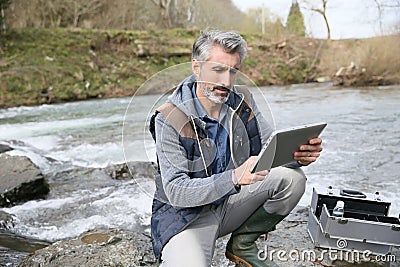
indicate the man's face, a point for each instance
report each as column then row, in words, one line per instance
column 216, row 76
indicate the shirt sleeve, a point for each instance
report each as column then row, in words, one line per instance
column 180, row 189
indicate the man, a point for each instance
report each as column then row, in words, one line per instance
column 207, row 137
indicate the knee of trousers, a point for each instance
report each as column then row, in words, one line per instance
column 289, row 186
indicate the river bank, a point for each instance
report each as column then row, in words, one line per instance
column 43, row 66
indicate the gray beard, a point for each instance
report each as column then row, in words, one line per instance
column 211, row 96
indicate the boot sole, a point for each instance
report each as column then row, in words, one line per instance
column 236, row 259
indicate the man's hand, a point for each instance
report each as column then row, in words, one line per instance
column 309, row 153
column 244, row 176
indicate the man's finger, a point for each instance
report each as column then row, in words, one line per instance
column 315, row 141
column 262, row 173
column 317, row 148
column 306, row 154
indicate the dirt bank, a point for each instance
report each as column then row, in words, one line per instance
column 40, row 66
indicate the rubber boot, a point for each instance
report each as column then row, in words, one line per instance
column 241, row 247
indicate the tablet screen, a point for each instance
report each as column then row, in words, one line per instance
column 282, row 144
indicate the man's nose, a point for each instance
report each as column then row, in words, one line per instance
column 225, row 79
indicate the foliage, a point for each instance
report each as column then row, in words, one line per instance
column 63, row 64
column 56, row 65
column 273, row 26
column 49, row 66
column 295, row 21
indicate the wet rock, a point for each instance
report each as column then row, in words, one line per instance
column 20, row 181
column 97, row 248
column 19, row 243
column 5, row 148
column 124, row 248
column 10, row 257
column 6, row 221
column 131, row 170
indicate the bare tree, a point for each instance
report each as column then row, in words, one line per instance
column 381, row 5
column 223, row 13
column 125, row 14
column 183, row 13
column 258, row 18
column 322, row 12
column 81, row 8
column 50, row 12
column 3, row 6
column 164, row 6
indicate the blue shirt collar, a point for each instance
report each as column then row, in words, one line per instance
column 197, row 105
column 200, row 110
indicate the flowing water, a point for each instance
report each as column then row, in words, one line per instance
column 361, row 151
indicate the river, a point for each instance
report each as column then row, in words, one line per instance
column 361, row 152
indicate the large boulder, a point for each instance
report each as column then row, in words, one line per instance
column 96, row 248
column 20, row 180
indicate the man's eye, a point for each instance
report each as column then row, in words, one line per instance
column 233, row 71
column 219, row 70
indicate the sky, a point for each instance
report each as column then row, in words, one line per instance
column 347, row 18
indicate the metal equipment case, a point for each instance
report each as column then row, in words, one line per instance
column 365, row 225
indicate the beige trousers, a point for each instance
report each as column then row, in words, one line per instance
column 279, row 193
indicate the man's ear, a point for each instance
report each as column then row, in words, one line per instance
column 196, row 67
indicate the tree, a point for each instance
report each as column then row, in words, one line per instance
column 211, row 13
column 3, row 6
column 258, row 18
column 183, row 13
column 322, row 12
column 295, row 20
column 125, row 14
column 77, row 8
column 381, row 5
column 164, row 6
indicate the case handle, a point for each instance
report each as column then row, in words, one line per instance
column 352, row 193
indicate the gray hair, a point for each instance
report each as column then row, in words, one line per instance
column 230, row 42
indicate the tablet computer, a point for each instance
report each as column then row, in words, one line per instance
column 282, row 144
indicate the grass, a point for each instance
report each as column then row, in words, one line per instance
column 376, row 60
column 56, row 65
column 49, row 66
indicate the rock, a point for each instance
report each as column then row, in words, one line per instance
column 323, row 79
column 20, row 181
column 19, row 243
column 352, row 75
column 131, row 170
column 124, row 248
column 291, row 237
column 97, row 248
column 5, row 148
column 6, row 221
column 348, row 70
